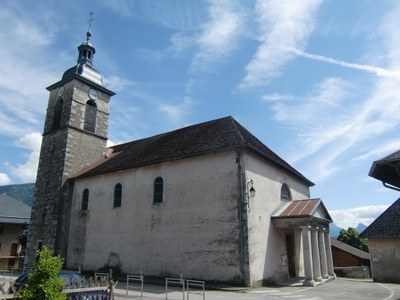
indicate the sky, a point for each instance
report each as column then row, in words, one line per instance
column 317, row 81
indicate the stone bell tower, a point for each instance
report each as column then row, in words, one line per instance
column 74, row 136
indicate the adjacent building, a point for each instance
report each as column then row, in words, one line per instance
column 345, row 255
column 209, row 201
column 14, row 220
column 384, row 233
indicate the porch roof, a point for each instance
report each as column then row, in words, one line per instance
column 301, row 212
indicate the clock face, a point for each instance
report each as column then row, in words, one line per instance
column 93, row 94
column 61, row 91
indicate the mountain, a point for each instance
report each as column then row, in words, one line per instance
column 334, row 230
column 21, row 192
column 361, row 227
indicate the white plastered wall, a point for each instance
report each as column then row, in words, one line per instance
column 194, row 232
column 267, row 245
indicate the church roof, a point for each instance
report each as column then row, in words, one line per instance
column 204, row 138
column 387, row 225
column 386, row 169
column 13, row 211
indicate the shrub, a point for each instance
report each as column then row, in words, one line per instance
column 43, row 282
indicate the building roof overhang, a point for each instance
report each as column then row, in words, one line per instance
column 387, row 170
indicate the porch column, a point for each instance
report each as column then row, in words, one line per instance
column 308, row 266
column 322, row 253
column 315, row 255
column 328, row 248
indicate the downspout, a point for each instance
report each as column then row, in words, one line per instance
column 391, row 186
column 243, row 232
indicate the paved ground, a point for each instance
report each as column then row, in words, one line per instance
column 338, row 289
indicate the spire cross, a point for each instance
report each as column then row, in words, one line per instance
column 90, row 20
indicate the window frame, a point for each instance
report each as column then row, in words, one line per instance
column 85, row 200
column 58, row 111
column 286, row 195
column 158, row 190
column 117, row 195
column 90, row 116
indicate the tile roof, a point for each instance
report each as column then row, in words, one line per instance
column 387, row 169
column 13, row 211
column 349, row 249
column 209, row 137
column 387, row 225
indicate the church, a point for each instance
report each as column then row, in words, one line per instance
column 209, row 201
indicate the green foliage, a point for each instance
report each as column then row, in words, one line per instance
column 43, row 282
column 351, row 237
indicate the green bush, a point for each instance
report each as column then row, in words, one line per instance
column 43, row 282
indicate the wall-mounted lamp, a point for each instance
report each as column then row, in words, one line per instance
column 250, row 191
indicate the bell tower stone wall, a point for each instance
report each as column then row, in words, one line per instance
column 68, row 146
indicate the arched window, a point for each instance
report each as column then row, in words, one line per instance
column 57, row 113
column 117, row 195
column 85, row 200
column 90, row 116
column 158, row 190
column 285, row 192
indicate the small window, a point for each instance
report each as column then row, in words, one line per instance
column 85, row 200
column 90, row 116
column 117, row 195
column 285, row 192
column 57, row 113
column 158, row 190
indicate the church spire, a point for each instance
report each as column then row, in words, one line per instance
column 86, row 49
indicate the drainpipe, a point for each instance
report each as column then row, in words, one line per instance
column 391, row 186
column 243, row 233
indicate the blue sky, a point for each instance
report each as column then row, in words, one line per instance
column 317, row 81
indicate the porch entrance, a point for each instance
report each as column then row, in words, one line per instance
column 290, row 250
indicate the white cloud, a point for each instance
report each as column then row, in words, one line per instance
column 182, row 15
column 27, row 171
column 116, row 83
column 346, row 218
column 177, row 112
column 379, row 151
column 220, row 34
column 372, row 69
column 179, row 43
column 283, row 25
column 4, row 179
column 276, row 97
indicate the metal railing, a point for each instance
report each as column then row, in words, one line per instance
column 101, row 276
column 175, row 282
column 134, row 278
column 199, row 285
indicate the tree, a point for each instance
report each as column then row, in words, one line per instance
column 352, row 238
column 43, row 282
